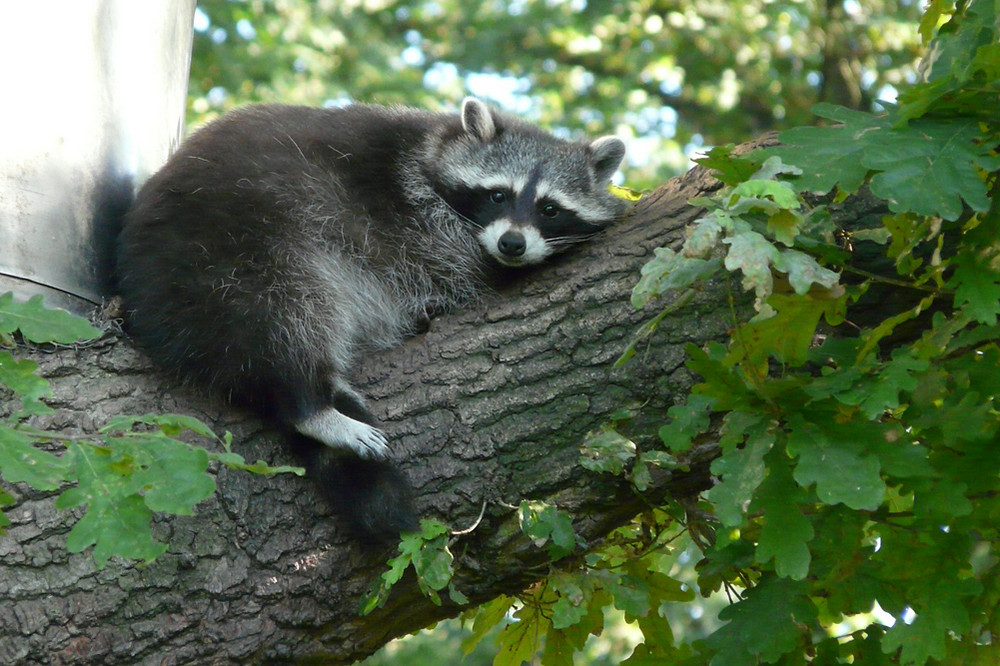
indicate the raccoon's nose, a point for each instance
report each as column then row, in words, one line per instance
column 512, row 243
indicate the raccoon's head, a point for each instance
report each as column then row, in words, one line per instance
column 526, row 193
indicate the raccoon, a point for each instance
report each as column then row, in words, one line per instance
column 281, row 242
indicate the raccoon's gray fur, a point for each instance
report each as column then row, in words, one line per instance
column 280, row 242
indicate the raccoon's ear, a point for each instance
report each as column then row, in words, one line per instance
column 477, row 119
column 606, row 155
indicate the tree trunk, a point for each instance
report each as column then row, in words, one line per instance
column 489, row 407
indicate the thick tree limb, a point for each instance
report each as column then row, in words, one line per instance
column 487, row 408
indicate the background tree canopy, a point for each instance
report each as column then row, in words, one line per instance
column 669, row 77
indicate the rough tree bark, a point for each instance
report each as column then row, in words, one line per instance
column 488, row 407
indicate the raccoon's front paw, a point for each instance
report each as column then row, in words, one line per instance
column 339, row 431
column 369, row 442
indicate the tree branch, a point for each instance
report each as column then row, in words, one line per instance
column 490, row 406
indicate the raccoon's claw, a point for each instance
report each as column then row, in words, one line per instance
column 370, row 442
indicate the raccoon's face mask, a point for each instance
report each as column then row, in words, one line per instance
column 526, row 193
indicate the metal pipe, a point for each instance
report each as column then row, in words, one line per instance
column 93, row 103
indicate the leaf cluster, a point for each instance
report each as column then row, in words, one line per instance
column 428, row 553
column 855, row 514
column 134, row 468
column 631, row 571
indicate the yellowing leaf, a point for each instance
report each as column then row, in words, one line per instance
column 625, row 193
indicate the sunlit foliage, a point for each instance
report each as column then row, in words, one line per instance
column 670, row 76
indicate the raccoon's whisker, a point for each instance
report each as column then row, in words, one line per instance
column 570, row 240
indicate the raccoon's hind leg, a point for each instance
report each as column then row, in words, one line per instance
column 345, row 423
column 348, row 457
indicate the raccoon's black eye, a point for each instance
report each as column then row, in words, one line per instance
column 550, row 210
column 498, row 197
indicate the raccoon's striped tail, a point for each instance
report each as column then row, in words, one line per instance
column 371, row 495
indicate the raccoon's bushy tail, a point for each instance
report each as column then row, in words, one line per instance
column 371, row 496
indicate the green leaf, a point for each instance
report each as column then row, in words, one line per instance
column 752, row 254
column 773, row 619
column 941, row 500
column 607, row 452
column 631, row 596
column 519, row 640
column 663, row 587
column 20, row 377
column 778, row 192
column 115, row 528
column 786, row 531
column 740, row 472
column 889, row 324
column 544, row 523
column 728, row 168
column 686, row 422
column 169, row 424
column 431, row 529
column 788, row 334
column 967, row 416
column 899, row 456
column 899, row 375
column 771, row 169
column 837, row 463
column 803, row 271
column 720, row 384
column 977, row 287
column 592, row 622
column 171, row 475
column 927, row 637
column 832, row 381
column 930, row 167
column 881, row 391
column 963, row 61
column 5, row 501
column 559, row 650
column 936, row 9
column 640, row 476
column 907, row 232
column 433, row 563
column 20, row 461
column 488, row 615
column 122, row 483
column 117, row 521
column 830, row 156
column 702, row 237
column 373, row 597
column 39, row 324
column 784, row 226
column 657, row 643
column 409, row 547
column 172, row 425
column 574, row 600
column 668, row 271
column 456, row 595
column 427, row 550
column 236, row 461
